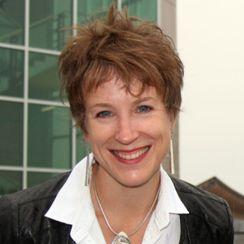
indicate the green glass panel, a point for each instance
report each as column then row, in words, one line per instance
column 11, row 133
column 49, row 137
column 144, row 9
column 50, row 22
column 11, row 72
column 80, row 146
column 10, row 181
column 12, row 14
column 43, row 77
column 88, row 10
column 35, row 178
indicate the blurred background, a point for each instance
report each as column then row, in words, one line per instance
column 37, row 137
column 210, row 37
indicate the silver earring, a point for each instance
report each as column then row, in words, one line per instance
column 172, row 163
column 88, row 167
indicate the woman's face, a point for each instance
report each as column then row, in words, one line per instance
column 129, row 135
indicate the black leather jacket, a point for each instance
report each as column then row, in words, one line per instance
column 22, row 216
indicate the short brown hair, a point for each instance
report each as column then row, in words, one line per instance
column 123, row 46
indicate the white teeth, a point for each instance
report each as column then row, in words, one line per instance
column 131, row 155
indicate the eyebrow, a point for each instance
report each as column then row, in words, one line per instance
column 108, row 105
column 144, row 99
column 101, row 105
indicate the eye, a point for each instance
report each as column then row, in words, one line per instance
column 143, row 109
column 104, row 114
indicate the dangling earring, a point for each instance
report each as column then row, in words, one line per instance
column 172, row 163
column 88, row 167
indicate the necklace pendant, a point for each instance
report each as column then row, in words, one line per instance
column 121, row 238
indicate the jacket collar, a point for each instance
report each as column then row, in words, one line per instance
column 169, row 202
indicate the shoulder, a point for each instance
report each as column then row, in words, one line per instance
column 25, row 208
column 46, row 190
column 206, row 210
column 202, row 203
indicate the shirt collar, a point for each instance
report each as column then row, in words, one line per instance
column 74, row 197
column 168, row 202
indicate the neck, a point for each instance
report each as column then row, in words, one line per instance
column 131, row 202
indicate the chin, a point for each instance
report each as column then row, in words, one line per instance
column 133, row 181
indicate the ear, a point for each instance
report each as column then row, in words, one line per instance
column 84, row 132
column 173, row 120
column 86, row 137
column 83, row 128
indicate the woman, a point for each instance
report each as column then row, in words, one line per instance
column 123, row 80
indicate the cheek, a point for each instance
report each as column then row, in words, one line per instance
column 161, row 137
column 97, row 134
column 159, row 127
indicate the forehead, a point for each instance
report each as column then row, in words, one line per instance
column 133, row 81
column 115, row 91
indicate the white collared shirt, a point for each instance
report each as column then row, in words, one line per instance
column 73, row 206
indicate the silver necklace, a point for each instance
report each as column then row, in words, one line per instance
column 121, row 237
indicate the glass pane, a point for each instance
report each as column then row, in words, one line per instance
column 43, row 77
column 144, row 9
column 80, row 146
column 10, row 181
column 34, row 178
column 92, row 9
column 50, row 22
column 11, row 72
column 49, row 137
column 11, row 133
column 12, row 14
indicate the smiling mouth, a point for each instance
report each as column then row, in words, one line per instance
column 134, row 154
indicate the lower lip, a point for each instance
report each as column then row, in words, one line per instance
column 132, row 161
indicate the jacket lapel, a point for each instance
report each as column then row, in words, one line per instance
column 51, row 232
column 185, row 235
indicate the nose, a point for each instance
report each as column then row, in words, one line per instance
column 126, row 131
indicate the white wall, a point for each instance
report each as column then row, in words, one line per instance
column 210, row 41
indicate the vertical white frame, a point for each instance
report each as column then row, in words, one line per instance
column 26, row 91
column 119, row 4
column 73, row 132
column 159, row 12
